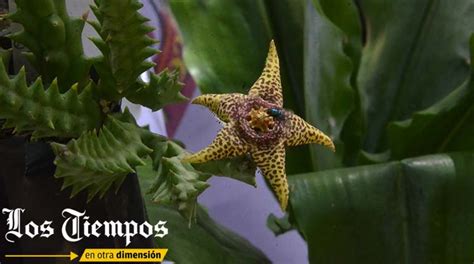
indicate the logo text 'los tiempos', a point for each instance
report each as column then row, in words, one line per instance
column 76, row 226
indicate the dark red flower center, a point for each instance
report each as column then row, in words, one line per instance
column 260, row 122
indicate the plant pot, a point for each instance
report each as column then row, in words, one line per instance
column 27, row 181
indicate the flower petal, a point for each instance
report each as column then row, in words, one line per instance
column 272, row 164
column 221, row 104
column 227, row 144
column 268, row 86
column 300, row 133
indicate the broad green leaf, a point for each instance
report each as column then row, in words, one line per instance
column 288, row 34
column 411, row 211
column 328, row 92
column 46, row 112
column 54, row 41
column 446, row 126
column 203, row 242
column 345, row 15
column 225, row 42
column 416, row 53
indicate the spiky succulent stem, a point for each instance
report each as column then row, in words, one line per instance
column 125, row 46
column 53, row 40
column 97, row 160
column 46, row 113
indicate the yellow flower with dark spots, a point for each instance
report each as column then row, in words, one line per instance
column 258, row 124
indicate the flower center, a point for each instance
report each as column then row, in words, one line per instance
column 260, row 122
column 259, row 119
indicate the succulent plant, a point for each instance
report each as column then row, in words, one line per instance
column 96, row 145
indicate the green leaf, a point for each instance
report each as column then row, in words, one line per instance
column 162, row 89
column 204, row 242
column 412, row 211
column 288, row 35
column 330, row 99
column 124, row 44
column 96, row 161
column 54, row 41
column 46, row 113
column 415, row 54
column 345, row 15
column 226, row 42
column 446, row 126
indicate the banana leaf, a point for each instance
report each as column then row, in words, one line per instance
column 410, row 211
column 415, row 54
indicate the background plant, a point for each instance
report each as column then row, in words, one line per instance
column 74, row 104
column 390, row 81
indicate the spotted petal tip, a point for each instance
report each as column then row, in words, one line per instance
column 332, row 147
column 197, row 157
column 211, row 101
column 202, row 99
column 187, row 158
column 327, row 142
column 284, row 204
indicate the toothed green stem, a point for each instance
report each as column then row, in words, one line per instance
column 177, row 183
column 46, row 113
column 162, row 89
column 96, row 161
column 5, row 55
column 124, row 44
column 54, row 41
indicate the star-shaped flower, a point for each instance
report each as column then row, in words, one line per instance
column 257, row 124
